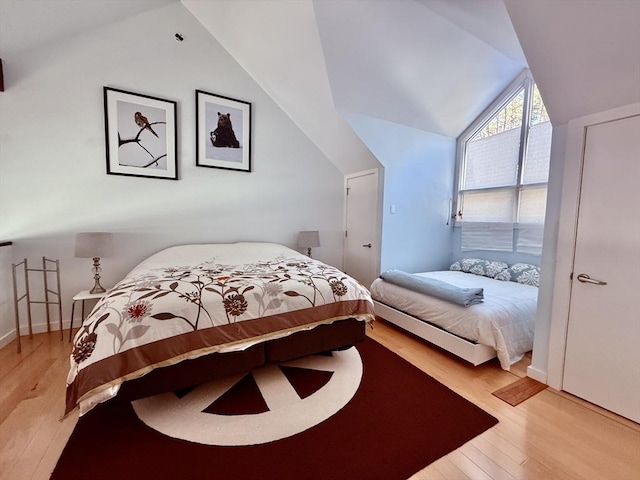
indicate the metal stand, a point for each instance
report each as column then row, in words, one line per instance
column 48, row 266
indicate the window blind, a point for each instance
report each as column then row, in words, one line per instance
column 495, row 197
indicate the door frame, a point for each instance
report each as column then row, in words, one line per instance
column 377, row 248
column 567, row 231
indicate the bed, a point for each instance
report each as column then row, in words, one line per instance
column 501, row 325
column 191, row 313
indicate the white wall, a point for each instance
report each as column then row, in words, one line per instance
column 53, row 180
column 418, row 181
column 6, row 292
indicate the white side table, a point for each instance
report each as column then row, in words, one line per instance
column 83, row 296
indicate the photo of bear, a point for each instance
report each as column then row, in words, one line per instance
column 223, row 136
column 223, row 127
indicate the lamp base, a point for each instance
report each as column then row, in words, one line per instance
column 309, row 252
column 97, row 288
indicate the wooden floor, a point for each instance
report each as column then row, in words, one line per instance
column 549, row 436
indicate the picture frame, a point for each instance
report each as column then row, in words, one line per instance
column 223, row 132
column 140, row 134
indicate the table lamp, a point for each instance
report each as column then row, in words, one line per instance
column 94, row 245
column 309, row 240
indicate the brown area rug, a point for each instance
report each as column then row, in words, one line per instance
column 398, row 421
column 520, row 390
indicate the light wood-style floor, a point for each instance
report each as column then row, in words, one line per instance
column 549, row 436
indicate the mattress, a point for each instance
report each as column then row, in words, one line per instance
column 505, row 320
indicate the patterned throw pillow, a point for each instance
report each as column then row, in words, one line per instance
column 478, row 266
column 522, row 273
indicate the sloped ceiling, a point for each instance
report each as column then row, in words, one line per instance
column 405, row 62
column 277, row 43
column 424, row 64
column 486, row 20
column 427, row 64
column 584, row 55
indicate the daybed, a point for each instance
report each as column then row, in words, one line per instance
column 192, row 313
column 501, row 325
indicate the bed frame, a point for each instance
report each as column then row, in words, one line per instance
column 338, row 335
column 465, row 349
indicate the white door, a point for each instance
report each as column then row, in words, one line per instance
column 361, row 232
column 602, row 357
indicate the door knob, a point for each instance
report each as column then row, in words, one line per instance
column 584, row 278
column 368, row 245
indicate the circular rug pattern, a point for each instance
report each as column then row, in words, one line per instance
column 270, row 403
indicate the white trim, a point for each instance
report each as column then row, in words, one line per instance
column 7, row 338
column 536, row 374
column 571, row 184
column 469, row 351
column 36, row 328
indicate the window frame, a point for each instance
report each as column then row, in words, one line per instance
column 523, row 81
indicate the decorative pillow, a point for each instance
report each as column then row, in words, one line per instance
column 478, row 266
column 522, row 273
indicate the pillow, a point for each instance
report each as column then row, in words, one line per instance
column 522, row 273
column 486, row 268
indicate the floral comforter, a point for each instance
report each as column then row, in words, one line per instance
column 189, row 301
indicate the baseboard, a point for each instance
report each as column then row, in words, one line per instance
column 536, row 374
column 8, row 337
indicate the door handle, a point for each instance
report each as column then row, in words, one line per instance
column 368, row 245
column 584, row 278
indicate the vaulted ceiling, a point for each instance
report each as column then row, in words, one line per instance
column 425, row 64
column 433, row 65
column 430, row 64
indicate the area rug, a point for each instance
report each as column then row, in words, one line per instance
column 517, row 392
column 392, row 421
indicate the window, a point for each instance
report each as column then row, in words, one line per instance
column 503, row 174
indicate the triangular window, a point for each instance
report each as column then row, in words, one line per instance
column 504, row 173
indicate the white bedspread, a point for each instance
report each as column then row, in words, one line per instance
column 504, row 321
column 193, row 300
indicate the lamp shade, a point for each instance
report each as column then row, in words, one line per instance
column 309, row 239
column 93, row 244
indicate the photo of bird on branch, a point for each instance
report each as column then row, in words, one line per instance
column 141, row 136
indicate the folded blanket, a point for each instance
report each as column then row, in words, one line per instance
column 435, row 288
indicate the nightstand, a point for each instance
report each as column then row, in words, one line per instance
column 83, row 296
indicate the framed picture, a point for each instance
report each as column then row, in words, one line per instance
column 141, row 134
column 223, row 132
